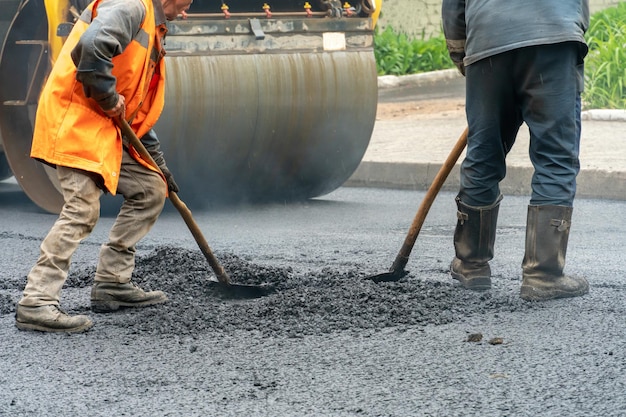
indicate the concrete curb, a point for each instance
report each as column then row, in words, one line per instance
column 604, row 115
column 393, row 81
column 595, row 184
column 430, row 78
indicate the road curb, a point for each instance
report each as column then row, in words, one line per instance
column 393, row 81
column 594, row 184
column 434, row 77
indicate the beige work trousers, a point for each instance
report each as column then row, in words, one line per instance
column 144, row 196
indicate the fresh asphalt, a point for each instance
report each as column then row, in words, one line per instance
column 333, row 343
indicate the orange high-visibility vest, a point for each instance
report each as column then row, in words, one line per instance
column 71, row 130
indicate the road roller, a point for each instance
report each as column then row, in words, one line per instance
column 266, row 101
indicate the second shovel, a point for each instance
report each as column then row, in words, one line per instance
column 397, row 270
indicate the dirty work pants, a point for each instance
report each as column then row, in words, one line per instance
column 539, row 85
column 144, row 196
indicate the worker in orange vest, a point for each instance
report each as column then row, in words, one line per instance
column 110, row 66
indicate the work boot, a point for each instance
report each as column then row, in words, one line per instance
column 474, row 238
column 110, row 296
column 547, row 233
column 49, row 318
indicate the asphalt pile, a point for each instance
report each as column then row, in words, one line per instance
column 304, row 303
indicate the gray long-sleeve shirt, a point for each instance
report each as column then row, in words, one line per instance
column 477, row 29
column 116, row 24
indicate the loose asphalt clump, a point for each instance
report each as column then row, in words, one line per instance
column 303, row 303
column 7, row 304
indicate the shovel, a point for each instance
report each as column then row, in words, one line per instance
column 396, row 272
column 223, row 282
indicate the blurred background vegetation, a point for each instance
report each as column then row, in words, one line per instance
column 605, row 66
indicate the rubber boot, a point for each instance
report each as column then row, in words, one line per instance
column 547, row 233
column 474, row 239
column 49, row 318
column 110, row 296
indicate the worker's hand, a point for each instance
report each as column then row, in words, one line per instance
column 457, row 53
column 169, row 178
column 460, row 67
column 119, row 110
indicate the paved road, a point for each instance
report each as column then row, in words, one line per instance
column 329, row 343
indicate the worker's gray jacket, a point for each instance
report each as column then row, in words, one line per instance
column 477, row 29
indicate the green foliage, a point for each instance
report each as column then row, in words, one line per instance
column 605, row 65
column 396, row 54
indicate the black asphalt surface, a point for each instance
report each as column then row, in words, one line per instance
column 329, row 342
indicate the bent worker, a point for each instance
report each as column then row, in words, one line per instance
column 110, row 66
column 523, row 62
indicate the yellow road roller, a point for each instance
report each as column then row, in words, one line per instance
column 266, row 101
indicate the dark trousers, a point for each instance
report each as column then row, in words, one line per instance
column 539, row 85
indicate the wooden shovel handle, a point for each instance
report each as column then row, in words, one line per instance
column 182, row 208
column 403, row 256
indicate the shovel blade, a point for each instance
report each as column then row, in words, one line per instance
column 241, row 291
column 391, row 276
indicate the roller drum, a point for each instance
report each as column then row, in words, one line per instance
column 267, row 127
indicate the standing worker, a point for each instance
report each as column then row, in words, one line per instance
column 523, row 62
column 110, row 66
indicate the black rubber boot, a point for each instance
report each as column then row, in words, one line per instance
column 474, row 239
column 110, row 296
column 547, row 233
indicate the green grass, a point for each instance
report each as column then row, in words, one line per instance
column 397, row 54
column 605, row 65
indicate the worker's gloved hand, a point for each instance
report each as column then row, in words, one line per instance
column 153, row 146
column 456, row 49
column 460, row 67
column 457, row 58
column 169, row 178
column 119, row 110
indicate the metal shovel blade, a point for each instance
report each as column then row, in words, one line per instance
column 391, row 276
column 397, row 271
column 241, row 291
